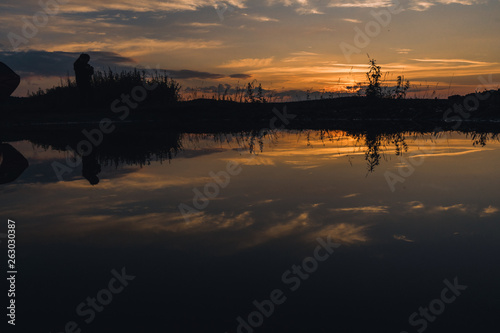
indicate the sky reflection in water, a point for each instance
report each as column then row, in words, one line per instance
column 201, row 274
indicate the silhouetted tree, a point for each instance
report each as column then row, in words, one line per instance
column 374, row 90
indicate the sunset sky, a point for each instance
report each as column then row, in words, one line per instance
column 447, row 46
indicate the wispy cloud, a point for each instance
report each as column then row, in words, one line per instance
column 200, row 24
column 364, row 209
column 248, row 62
column 190, row 74
column 490, row 210
column 458, row 207
column 302, row 7
column 415, row 5
column 462, row 2
column 403, row 238
column 352, row 20
column 300, row 56
column 260, row 18
column 420, row 6
column 240, row 76
column 73, row 6
column 416, row 205
column 403, row 51
column 136, row 46
column 463, row 61
column 308, row 11
column 361, row 4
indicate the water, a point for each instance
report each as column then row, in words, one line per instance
column 345, row 232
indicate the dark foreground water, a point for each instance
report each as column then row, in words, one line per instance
column 292, row 232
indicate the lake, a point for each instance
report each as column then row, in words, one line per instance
column 291, row 231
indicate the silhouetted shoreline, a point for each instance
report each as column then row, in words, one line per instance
column 208, row 115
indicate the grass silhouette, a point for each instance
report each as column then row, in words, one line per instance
column 107, row 86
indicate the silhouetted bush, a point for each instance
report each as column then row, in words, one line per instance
column 374, row 90
column 108, row 86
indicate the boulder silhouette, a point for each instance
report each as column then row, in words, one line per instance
column 9, row 81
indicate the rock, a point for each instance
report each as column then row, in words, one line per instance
column 9, row 81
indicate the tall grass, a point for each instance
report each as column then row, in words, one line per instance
column 108, row 86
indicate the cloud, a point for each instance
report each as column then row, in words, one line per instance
column 352, row 20
column 90, row 6
column 361, row 4
column 300, row 56
column 248, row 62
column 308, row 11
column 460, row 61
column 240, row 76
column 420, row 6
column 344, row 233
column 415, row 5
column 490, row 210
column 416, row 205
column 462, row 2
column 403, row 238
column 304, row 53
column 58, row 63
column 200, row 24
column 136, row 46
column 403, row 51
column 260, row 18
column 190, row 74
column 302, row 7
column 458, row 208
column 365, row 209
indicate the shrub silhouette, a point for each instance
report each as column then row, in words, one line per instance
column 374, row 90
column 401, row 88
column 108, row 86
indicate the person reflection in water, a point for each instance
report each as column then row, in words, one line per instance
column 83, row 75
column 91, row 168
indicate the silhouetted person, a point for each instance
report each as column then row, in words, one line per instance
column 90, row 168
column 12, row 163
column 83, row 74
column 9, row 81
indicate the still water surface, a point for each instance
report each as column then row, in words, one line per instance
column 345, row 233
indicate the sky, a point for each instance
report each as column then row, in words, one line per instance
column 443, row 47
